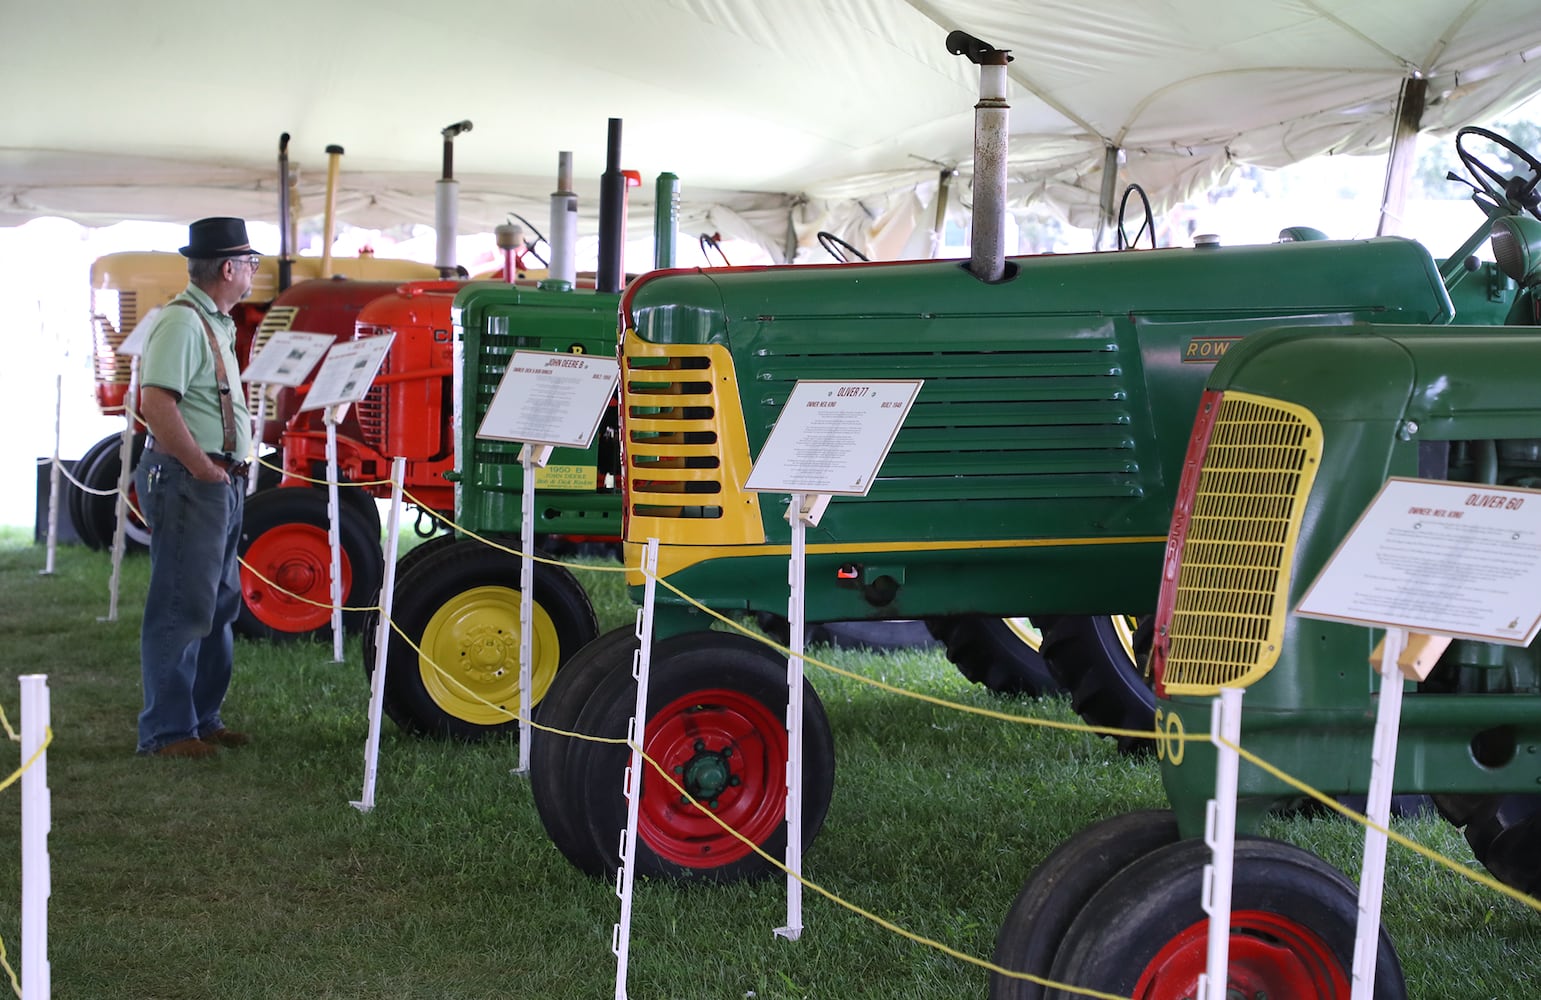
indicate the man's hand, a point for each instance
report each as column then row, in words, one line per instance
column 158, row 409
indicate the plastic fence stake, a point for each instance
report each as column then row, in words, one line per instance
column 1383, row 760
column 36, row 821
column 1220, row 835
column 620, row 940
column 382, row 639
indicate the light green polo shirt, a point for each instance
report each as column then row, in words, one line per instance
column 176, row 357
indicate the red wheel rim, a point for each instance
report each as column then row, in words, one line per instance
column 1270, row 956
column 297, row 558
column 730, row 751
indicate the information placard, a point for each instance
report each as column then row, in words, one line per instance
column 551, row 399
column 348, row 372
column 832, row 437
column 1442, row 558
column 287, row 358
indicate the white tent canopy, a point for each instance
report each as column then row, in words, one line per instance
column 792, row 114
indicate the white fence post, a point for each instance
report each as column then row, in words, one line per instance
column 36, row 821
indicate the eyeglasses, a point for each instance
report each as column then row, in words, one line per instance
column 251, row 262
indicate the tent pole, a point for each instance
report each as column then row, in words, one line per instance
column 943, row 192
column 1106, row 213
column 1403, row 157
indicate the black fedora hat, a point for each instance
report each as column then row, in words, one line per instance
column 217, row 237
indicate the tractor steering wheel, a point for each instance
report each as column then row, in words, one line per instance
column 838, row 248
column 1515, row 192
column 1147, row 224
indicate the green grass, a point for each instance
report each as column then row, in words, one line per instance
column 251, row 876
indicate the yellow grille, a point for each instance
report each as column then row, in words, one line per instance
column 686, row 449
column 1229, row 612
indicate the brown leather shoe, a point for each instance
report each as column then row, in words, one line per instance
column 226, row 738
column 190, row 748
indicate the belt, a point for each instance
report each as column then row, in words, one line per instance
column 230, row 465
column 236, row 469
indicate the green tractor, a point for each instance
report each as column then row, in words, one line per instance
column 453, row 655
column 1297, row 431
column 1035, row 476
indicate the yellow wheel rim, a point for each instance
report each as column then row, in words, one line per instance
column 1123, row 625
column 474, row 640
column 1024, row 629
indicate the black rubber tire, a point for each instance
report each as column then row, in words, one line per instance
column 363, row 503
column 74, row 497
column 550, row 784
column 462, row 600
column 1504, row 832
column 690, row 673
column 995, row 653
column 1059, row 888
column 416, row 554
column 99, row 514
column 288, row 527
column 1090, row 660
column 1150, row 905
column 268, row 477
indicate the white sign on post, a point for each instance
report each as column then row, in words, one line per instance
column 551, row 399
column 832, row 436
column 1443, row 558
column 287, row 358
column 347, row 373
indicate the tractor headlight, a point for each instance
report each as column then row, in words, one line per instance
column 1517, row 248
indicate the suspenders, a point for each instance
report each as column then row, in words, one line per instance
column 222, row 379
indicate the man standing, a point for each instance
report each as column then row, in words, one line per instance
column 191, row 482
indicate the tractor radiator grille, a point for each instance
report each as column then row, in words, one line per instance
column 492, row 354
column 277, row 320
column 673, row 458
column 371, row 410
column 111, row 322
column 1232, row 587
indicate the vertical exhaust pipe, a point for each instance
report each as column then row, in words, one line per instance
column 285, row 218
column 612, row 215
column 564, row 224
column 329, row 223
column 446, row 204
column 987, row 248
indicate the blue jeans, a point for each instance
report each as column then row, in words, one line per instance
column 185, row 644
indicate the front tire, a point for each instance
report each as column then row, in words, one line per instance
column 459, row 605
column 98, row 514
column 287, row 565
column 1293, row 921
column 551, row 784
column 716, row 721
column 1059, row 889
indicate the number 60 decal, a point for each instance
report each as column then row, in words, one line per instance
column 1170, row 737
